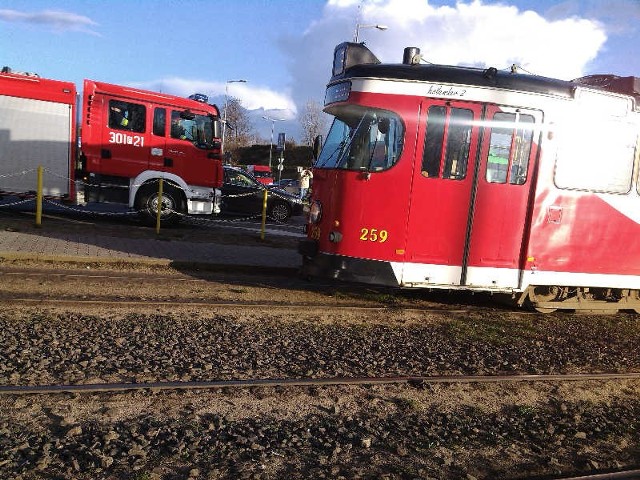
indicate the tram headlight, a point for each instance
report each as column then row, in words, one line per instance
column 315, row 212
column 335, row 237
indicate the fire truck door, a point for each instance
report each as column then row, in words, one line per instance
column 124, row 150
column 180, row 156
column 158, row 140
column 498, row 221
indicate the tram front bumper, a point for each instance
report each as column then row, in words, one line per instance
column 348, row 269
column 308, row 247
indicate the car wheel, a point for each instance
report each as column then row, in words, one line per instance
column 280, row 212
column 172, row 205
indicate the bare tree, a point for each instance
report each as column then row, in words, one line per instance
column 313, row 121
column 239, row 131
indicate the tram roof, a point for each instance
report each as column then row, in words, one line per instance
column 490, row 77
column 355, row 60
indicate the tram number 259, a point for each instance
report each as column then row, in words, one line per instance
column 373, row 235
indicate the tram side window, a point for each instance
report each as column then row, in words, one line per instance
column 597, row 154
column 126, row 116
column 509, row 148
column 447, row 143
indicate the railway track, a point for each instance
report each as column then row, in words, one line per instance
column 135, row 288
column 110, row 364
column 622, row 475
column 313, row 382
column 273, row 306
column 366, row 298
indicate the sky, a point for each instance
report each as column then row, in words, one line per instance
column 284, row 48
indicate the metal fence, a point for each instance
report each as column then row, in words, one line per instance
column 11, row 198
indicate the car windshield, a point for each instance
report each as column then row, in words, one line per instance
column 237, row 178
column 362, row 139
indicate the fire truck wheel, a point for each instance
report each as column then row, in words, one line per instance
column 172, row 205
column 280, row 212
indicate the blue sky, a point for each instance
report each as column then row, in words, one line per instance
column 283, row 48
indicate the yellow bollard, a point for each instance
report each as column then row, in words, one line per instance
column 159, row 207
column 39, row 197
column 264, row 214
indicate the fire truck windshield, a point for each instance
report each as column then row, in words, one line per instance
column 362, row 139
column 201, row 130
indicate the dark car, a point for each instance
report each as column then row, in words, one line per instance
column 242, row 194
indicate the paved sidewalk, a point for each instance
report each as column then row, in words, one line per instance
column 85, row 247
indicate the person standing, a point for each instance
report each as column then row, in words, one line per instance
column 305, row 182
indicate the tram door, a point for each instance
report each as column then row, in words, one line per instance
column 469, row 196
column 495, row 249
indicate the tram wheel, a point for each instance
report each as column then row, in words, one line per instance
column 635, row 296
column 544, row 310
column 545, row 294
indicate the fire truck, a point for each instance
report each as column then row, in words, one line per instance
column 112, row 146
column 262, row 173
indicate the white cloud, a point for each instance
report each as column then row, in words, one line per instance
column 472, row 33
column 468, row 33
column 252, row 97
column 57, row 20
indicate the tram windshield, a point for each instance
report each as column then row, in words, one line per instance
column 362, row 139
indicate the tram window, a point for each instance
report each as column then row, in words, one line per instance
column 509, row 148
column 433, row 142
column 447, row 143
column 458, row 143
column 368, row 139
column 596, row 155
column 523, row 142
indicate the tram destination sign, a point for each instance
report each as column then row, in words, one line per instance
column 337, row 93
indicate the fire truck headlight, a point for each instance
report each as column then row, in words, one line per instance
column 335, row 237
column 315, row 213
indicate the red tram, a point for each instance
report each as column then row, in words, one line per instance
column 446, row 177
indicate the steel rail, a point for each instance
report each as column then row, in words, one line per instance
column 310, row 382
column 101, row 276
column 228, row 304
column 178, row 277
column 621, row 475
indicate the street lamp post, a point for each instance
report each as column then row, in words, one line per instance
column 226, row 101
column 273, row 123
column 359, row 26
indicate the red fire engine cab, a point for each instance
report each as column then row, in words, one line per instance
column 123, row 141
column 262, row 173
column 457, row 178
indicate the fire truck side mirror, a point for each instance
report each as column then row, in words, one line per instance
column 317, row 146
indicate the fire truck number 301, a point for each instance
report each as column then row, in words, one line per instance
column 124, row 139
column 373, row 235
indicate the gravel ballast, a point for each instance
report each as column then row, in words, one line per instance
column 402, row 431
